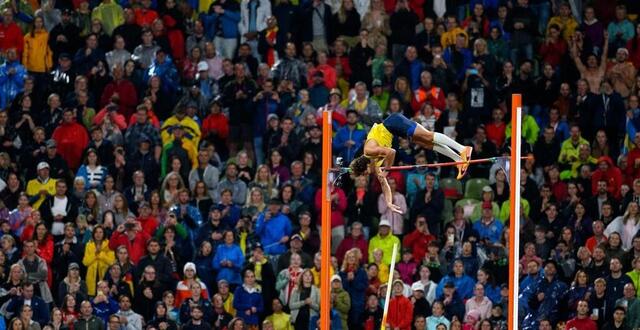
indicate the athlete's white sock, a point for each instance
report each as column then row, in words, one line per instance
column 442, row 149
column 439, row 138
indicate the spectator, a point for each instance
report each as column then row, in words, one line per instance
column 87, row 320
column 12, row 75
column 248, row 300
column 582, row 319
column 196, row 302
column 384, row 241
column 228, row 260
column 11, row 34
column 273, row 229
column 38, row 307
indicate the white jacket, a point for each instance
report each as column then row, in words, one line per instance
column 263, row 12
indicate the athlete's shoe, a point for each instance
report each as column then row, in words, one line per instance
column 466, row 157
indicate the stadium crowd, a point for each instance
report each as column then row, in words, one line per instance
column 159, row 163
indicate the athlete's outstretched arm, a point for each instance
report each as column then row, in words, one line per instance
column 389, row 155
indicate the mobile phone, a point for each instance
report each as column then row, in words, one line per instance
column 450, row 238
column 473, row 71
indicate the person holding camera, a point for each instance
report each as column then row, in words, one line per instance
column 130, row 235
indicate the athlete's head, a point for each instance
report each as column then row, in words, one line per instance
column 360, row 165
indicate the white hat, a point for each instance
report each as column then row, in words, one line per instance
column 417, row 287
column 42, row 165
column 203, row 66
column 336, row 278
column 189, row 265
column 384, row 222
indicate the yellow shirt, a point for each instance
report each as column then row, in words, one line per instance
column 228, row 305
column 34, row 186
column 383, row 272
column 382, row 136
column 280, row 321
column 316, row 275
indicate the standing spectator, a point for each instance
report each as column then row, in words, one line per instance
column 274, row 229
column 128, row 318
column 340, row 300
column 349, row 138
column 522, row 23
column 65, row 36
column 354, row 280
column 97, row 258
column 237, row 95
column 253, row 20
column 402, row 22
column 621, row 30
column 10, row 33
column 582, row 319
column 12, row 75
column 248, row 300
column 222, row 22
column 129, row 30
column 71, row 138
column 228, row 260
column 418, row 240
column 86, row 319
column 400, row 308
column 316, row 25
column 110, row 14
column 38, row 306
column 394, row 217
column 304, row 302
column 196, row 301
column 430, row 203
column 290, row 68
column 384, row 241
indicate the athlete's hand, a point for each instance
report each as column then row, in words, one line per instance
column 381, row 173
column 394, row 208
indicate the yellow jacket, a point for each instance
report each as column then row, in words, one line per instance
column 567, row 26
column 34, row 187
column 97, row 263
column 280, row 321
column 190, row 126
column 316, row 275
column 449, row 38
column 37, row 56
column 228, row 305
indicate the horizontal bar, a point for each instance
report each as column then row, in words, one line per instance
column 408, row 167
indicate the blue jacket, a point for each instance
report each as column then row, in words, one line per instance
column 344, row 134
column 272, row 231
column 40, row 309
column 466, row 61
column 82, row 172
column 356, row 289
column 104, row 309
column 464, row 286
column 229, row 253
column 229, row 21
column 243, row 300
column 191, row 220
column 167, row 73
column 491, row 232
column 554, row 295
column 11, row 85
column 263, row 108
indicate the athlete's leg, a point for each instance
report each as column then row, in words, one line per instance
column 444, row 145
column 447, row 152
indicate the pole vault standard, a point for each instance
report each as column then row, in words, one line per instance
column 514, row 209
column 514, row 213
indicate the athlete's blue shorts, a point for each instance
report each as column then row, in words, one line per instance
column 400, row 125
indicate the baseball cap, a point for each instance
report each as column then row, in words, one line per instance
column 73, row 265
column 417, row 287
column 42, row 165
column 384, row 222
column 376, row 83
column 257, row 245
column 51, row 143
column 449, row 284
column 487, row 189
column 335, row 91
column 296, row 236
column 336, row 278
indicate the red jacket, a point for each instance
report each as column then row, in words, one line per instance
column 329, row 73
column 152, row 118
column 217, row 122
column 149, row 224
column 612, row 175
column 116, row 118
column 11, row 37
column 337, row 207
column 634, row 54
column 45, row 251
column 418, row 243
column 433, row 95
column 127, row 93
column 344, row 62
column 72, row 139
column 136, row 248
column 632, row 171
column 552, row 53
column 582, row 324
column 349, row 243
column 400, row 313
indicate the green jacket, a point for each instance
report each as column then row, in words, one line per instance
column 568, row 150
column 386, row 245
column 506, row 207
column 530, row 129
column 634, row 275
column 342, row 304
column 93, row 323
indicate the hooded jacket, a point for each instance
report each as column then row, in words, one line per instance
column 612, row 175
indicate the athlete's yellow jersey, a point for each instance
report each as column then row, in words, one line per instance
column 382, row 136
